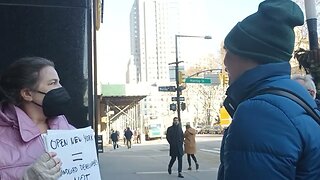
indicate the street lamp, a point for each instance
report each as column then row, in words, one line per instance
column 177, row 69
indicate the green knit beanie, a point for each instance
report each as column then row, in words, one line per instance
column 266, row 36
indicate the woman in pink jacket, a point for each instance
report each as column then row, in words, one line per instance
column 32, row 101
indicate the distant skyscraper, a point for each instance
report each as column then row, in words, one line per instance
column 131, row 69
column 153, row 24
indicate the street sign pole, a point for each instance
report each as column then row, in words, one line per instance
column 177, row 70
column 177, row 80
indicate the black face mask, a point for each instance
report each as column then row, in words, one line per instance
column 55, row 102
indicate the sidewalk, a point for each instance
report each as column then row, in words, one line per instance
column 199, row 138
column 163, row 141
column 149, row 161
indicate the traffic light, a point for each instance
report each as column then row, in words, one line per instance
column 180, row 89
column 181, row 77
column 183, row 106
column 225, row 79
column 221, row 77
column 173, row 107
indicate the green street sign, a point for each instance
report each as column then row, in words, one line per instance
column 198, row 80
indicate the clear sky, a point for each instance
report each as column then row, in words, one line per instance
column 216, row 16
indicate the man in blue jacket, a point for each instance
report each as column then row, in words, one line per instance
column 271, row 137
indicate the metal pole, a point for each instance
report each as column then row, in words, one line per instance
column 177, row 80
column 94, row 66
column 177, row 70
column 203, row 71
column 90, row 85
column 311, row 15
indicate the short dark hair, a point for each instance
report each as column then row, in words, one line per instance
column 22, row 73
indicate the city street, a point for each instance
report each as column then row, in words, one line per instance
column 149, row 160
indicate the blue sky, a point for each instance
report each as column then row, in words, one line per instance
column 216, row 17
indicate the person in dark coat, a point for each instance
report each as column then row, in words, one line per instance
column 128, row 134
column 175, row 139
column 271, row 136
column 114, row 138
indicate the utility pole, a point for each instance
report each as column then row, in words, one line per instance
column 178, row 88
column 177, row 79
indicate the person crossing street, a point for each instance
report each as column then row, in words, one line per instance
column 190, row 145
column 175, row 140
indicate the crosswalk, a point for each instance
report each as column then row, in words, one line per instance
column 214, row 150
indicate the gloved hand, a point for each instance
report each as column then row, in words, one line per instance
column 47, row 167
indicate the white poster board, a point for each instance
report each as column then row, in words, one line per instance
column 77, row 151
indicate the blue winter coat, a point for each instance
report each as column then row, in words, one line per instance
column 270, row 137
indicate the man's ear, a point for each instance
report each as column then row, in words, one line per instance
column 312, row 93
column 25, row 93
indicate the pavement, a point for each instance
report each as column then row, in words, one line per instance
column 149, row 160
column 199, row 138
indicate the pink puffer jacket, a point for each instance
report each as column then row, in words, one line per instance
column 20, row 140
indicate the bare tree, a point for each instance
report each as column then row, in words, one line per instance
column 203, row 98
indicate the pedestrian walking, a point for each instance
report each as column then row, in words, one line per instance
column 135, row 136
column 138, row 136
column 175, row 140
column 271, row 136
column 190, row 146
column 128, row 134
column 124, row 137
column 114, row 138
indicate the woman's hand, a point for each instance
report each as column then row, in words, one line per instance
column 47, row 167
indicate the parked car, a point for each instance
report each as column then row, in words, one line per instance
column 216, row 129
column 206, row 130
column 198, row 129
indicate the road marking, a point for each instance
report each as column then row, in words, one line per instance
column 215, row 150
column 138, row 156
column 154, row 172
column 186, row 171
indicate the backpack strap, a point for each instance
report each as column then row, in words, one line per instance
column 288, row 94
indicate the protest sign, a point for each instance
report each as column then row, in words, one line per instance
column 77, row 151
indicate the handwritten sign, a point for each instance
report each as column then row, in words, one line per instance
column 77, row 151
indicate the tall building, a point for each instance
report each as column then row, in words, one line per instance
column 153, row 24
column 131, row 69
